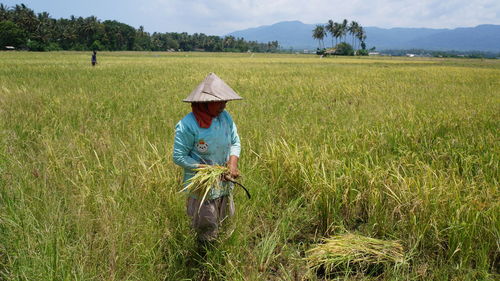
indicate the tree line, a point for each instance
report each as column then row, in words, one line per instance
column 22, row 28
column 340, row 31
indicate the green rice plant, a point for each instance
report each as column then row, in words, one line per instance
column 206, row 178
column 351, row 252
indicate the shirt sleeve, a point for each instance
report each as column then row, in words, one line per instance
column 235, row 140
column 183, row 143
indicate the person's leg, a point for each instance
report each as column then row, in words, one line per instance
column 208, row 219
column 226, row 211
column 205, row 218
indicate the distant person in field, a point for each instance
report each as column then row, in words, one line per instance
column 94, row 58
column 208, row 136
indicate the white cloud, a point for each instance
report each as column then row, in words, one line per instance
column 220, row 17
column 224, row 16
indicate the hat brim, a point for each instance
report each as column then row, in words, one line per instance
column 212, row 89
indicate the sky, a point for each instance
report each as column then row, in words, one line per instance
column 220, row 17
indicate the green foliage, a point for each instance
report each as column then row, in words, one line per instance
column 120, row 36
column 78, row 47
column 52, row 47
column 34, row 45
column 344, row 49
column 81, row 34
column 97, row 46
column 142, row 40
column 362, row 52
column 11, row 35
column 172, row 44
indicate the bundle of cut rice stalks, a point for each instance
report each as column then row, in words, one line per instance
column 353, row 253
column 206, row 177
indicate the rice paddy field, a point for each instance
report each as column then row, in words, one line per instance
column 395, row 149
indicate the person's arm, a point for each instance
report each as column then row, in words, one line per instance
column 234, row 152
column 232, row 164
column 183, row 143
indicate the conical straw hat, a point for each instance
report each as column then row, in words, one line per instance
column 212, row 89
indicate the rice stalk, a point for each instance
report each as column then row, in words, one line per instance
column 346, row 252
column 206, row 178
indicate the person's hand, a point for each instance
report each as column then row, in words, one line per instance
column 232, row 164
column 234, row 173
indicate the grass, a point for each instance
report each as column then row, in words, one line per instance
column 394, row 149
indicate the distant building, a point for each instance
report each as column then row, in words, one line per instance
column 331, row 51
column 410, row 55
column 374, row 54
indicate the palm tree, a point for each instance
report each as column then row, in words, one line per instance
column 337, row 31
column 330, row 28
column 353, row 30
column 319, row 33
column 4, row 12
column 89, row 27
column 229, row 41
column 343, row 29
column 44, row 28
column 361, row 35
column 25, row 18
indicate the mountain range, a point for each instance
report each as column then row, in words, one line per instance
column 298, row 35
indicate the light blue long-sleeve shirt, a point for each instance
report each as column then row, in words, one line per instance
column 194, row 145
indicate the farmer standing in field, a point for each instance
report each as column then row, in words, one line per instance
column 94, row 58
column 208, row 136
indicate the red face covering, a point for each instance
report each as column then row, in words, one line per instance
column 206, row 111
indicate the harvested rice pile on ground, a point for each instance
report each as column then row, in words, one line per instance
column 353, row 253
column 206, row 177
